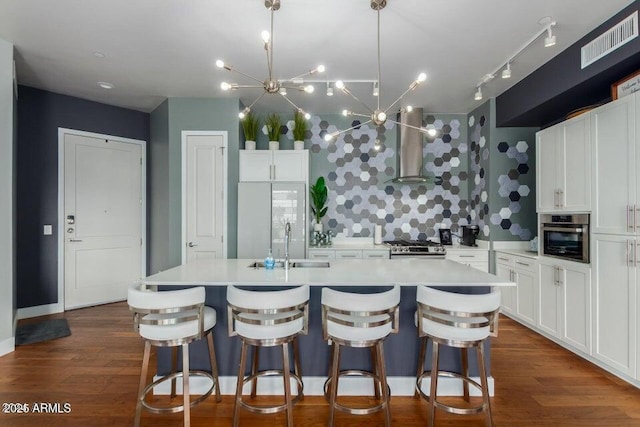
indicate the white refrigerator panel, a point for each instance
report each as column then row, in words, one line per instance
column 254, row 219
column 263, row 211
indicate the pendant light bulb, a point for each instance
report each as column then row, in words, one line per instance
column 320, row 68
column 340, row 84
column 225, row 86
column 244, row 113
column 266, row 36
column 408, row 108
column 329, row 90
column 381, row 116
column 421, row 77
column 220, row 63
column 309, row 88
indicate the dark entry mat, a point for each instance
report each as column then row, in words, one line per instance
column 42, row 331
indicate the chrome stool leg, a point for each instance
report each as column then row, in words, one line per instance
column 420, row 370
column 286, row 374
column 214, row 366
column 185, row 385
column 254, row 370
column 335, row 375
column 464, row 352
column 297, row 369
column 382, row 375
column 240, row 382
column 485, row 387
column 174, row 368
column 143, row 381
column 434, row 383
column 376, row 371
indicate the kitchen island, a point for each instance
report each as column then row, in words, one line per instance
column 361, row 275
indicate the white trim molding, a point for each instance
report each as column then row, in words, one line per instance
column 7, row 346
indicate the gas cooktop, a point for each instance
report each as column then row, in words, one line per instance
column 416, row 247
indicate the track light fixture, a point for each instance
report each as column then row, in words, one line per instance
column 478, row 95
column 505, row 68
column 377, row 116
column 270, row 85
column 506, row 73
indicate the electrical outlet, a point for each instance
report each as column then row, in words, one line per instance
column 48, row 230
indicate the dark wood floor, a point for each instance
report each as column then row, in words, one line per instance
column 96, row 371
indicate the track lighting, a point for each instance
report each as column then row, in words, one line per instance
column 506, row 73
column 550, row 40
column 329, row 90
column 478, row 95
column 505, row 68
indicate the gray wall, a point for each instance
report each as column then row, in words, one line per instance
column 40, row 114
column 165, row 183
column 502, row 172
column 7, row 200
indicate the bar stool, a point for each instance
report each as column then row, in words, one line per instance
column 364, row 321
column 268, row 319
column 173, row 319
column 461, row 321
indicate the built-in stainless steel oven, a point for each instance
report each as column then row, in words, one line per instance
column 565, row 236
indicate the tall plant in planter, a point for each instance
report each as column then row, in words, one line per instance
column 273, row 130
column 250, row 126
column 300, row 128
column 319, row 195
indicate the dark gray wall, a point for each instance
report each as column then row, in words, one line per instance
column 40, row 114
column 561, row 86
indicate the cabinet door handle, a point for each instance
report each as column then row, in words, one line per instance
column 635, row 218
column 467, row 256
column 629, row 253
column 503, row 259
column 560, row 282
column 629, row 220
column 560, row 197
column 555, row 276
column 555, row 198
column 347, row 256
column 523, row 263
column 635, row 255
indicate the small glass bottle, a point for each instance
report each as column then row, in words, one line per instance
column 269, row 262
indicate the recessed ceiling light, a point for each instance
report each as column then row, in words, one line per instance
column 99, row 54
column 105, row 85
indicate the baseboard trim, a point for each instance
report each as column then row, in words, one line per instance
column 39, row 310
column 314, row 386
column 7, row 346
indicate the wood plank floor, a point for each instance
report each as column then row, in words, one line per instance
column 96, row 371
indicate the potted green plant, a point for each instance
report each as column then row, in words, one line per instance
column 319, row 195
column 273, row 131
column 250, row 125
column 300, row 129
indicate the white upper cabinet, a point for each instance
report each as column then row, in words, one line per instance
column 563, row 167
column 615, row 160
column 274, row 165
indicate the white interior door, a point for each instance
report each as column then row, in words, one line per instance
column 203, row 186
column 103, row 217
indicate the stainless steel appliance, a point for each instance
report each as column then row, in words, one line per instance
column 416, row 249
column 565, row 236
column 264, row 209
column 469, row 234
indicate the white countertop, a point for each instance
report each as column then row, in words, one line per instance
column 357, row 272
column 519, row 252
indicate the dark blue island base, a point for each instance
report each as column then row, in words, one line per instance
column 401, row 349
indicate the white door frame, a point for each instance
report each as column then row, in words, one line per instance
column 225, row 185
column 59, row 307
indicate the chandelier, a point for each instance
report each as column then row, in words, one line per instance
column 377, row 116
column 271, row 85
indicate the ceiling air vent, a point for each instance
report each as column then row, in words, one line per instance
column 623, row 32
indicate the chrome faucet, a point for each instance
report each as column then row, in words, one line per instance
column 287, row 239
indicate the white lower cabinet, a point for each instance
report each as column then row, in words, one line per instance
column 615, row 282
column 504, row 270
column 322, row 253
column 519, row 302
column 564, row 310
column 476, row 258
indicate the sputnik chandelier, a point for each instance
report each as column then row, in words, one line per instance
column 271, row 85
column 378, row 116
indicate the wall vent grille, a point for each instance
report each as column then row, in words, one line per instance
column 622, row 33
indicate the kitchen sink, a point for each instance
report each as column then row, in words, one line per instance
column 293, row 264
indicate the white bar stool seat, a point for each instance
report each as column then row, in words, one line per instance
column 364, row 321
column 173, row 319
column 268, row 319
column 456, row 320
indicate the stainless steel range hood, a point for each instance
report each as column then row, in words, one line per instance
column 410, row 146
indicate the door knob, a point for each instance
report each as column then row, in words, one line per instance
column 192, row 244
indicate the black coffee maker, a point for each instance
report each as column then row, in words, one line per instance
column 469, row 235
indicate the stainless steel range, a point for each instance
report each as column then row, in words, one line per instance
column 416, row 248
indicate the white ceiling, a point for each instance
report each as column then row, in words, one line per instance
column 156, row 49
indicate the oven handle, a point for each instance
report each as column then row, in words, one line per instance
column 563, row 229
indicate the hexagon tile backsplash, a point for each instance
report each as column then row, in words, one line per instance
column 360, row 195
